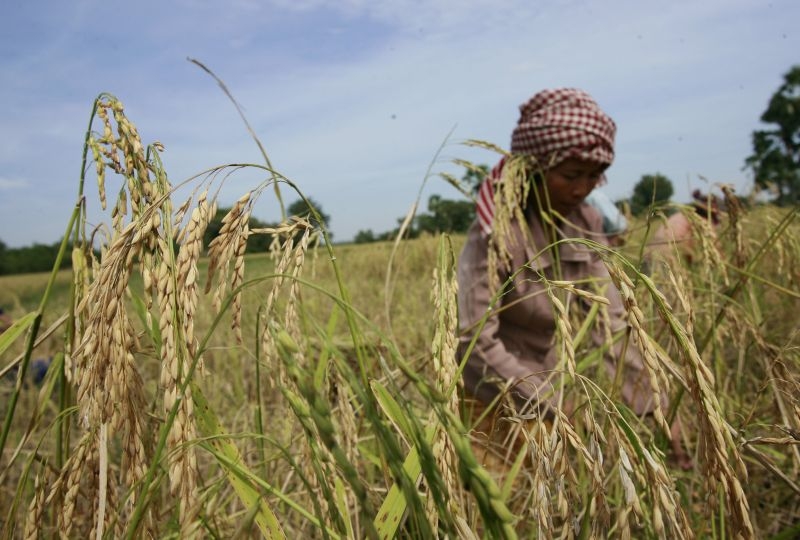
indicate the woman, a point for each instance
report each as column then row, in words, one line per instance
column 532, row 200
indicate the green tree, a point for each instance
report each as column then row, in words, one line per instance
column 255, row 243
column 776, row 152
column 30, row 259
column 474, row 176
column 303, row 209
column 3, row 254
column 445, row 215
column 652, row 189
column 364, row 237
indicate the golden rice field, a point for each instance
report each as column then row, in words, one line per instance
column 312, row 391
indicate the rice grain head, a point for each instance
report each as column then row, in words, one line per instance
column 443, row 353
column 34, row 517
column 659, row 383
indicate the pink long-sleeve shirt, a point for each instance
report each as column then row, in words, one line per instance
column 516, row 344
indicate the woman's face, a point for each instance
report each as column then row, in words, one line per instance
column 569, row 183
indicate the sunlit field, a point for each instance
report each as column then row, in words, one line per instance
column 312, row 391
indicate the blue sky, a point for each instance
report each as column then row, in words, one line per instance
column 353, row 98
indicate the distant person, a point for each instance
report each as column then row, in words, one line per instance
column 560, row 148
column 677, row 236
column 614, row 223
column 37, row 371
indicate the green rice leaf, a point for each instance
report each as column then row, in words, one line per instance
column 394, row 506
column 18, row 328
column 209, row 426
column 341, row 504
column 392, row 409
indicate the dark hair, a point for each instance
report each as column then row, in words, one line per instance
column 536, row 176
column 706, row 205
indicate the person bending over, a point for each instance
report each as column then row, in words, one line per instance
column 532, row 199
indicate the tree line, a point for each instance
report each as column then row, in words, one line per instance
column 30, row 259
column 41, row 258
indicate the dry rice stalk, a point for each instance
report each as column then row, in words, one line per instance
column 734, row 210
column 510, row 198
column 229, row 246
column 291, row 320
column 110, row 391
column 297, row 239
column 288, row 259
column 296, row 248
column 556, row 495
column 786, row 389
column 716, row 443
column 711, row 259
column 631, row 504
column 74, row 479
column 135, row 167
column 562, row 469
column 175, row 360
column 148, row 265
column 173, row 278
column 34, row 517
column 289, row 245
column 566, row 351
column 659, row 384
column 237, row 279
column 132, row 426
column 598, row 509
column 187, row 271
column 570, row 287
column 107, row 522
column 100, row 360
column 124, row 154
column 443, row 350
column 346, row 416
column 568, row 499
column 683, row 293
column 119, row 212
column 540, row 509
column 637, row 465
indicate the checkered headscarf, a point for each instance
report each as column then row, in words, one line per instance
column 554, row 125
column 562, row 123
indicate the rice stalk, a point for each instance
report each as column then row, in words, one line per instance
column 716, row 446
column 443, row 352
column 34, row 517
column 510, row 198
column 314, row 415
column 231, row 461
column 657, row 378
